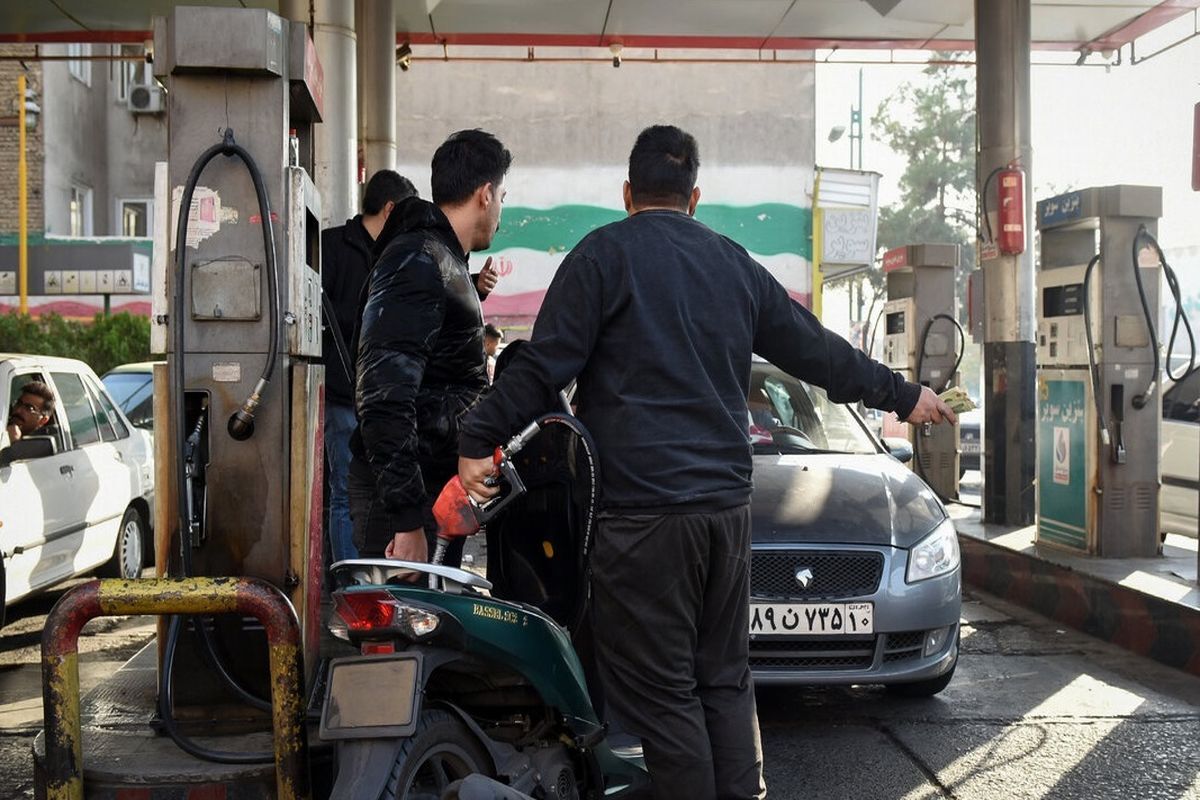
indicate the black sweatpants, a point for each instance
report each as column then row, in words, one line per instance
column 671, row 596
column 372, row 530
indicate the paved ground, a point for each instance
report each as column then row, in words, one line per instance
column 1034, row 712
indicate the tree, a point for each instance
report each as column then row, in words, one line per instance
column 932, row 123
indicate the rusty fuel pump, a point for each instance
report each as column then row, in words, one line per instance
column 241, row 450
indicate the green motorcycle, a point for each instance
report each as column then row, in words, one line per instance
column 458, row 693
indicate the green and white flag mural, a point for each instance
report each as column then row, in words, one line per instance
column 548, row 211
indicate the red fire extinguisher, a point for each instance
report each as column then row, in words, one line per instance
column 1010, row 238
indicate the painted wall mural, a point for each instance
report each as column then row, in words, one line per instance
column 532, row 242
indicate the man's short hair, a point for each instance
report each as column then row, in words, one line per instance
column 492, row 332
column 466, row 161
column 39, row 389
column 663, row 166
column 386, row 186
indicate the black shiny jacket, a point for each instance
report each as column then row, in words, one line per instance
column 420, row 359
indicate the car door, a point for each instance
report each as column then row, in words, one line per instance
column 101, row 478
column 1181, row 456
column 39, row 525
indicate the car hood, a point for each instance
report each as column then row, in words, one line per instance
column 840, row 499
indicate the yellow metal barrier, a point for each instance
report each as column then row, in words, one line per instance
column 60, row 665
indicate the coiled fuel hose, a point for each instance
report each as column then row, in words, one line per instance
column 240, row 427
column 962, row 348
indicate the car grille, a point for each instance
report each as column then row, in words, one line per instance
column 836, row 654
column 836, row 575
column 803, row 654
column 903, row 646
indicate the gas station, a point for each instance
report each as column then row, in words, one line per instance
column 276, row 109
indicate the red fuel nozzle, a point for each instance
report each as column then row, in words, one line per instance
column 455, row 511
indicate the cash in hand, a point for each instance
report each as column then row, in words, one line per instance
column 957, row 398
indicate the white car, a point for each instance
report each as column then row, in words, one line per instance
column 1180, row 496
column 78, row 495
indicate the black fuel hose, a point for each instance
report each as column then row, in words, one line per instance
column 1140, row 400
column 1093, row 366
column 1180, row 315
column 572, row 423
column 166, row 717
column 241, row 426
column 962, row 348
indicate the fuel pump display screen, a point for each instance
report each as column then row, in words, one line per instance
column 895, row 322
column 1062, row 301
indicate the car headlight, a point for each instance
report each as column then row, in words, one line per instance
column 934, row 555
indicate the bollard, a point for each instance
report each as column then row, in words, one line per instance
column 189, row 596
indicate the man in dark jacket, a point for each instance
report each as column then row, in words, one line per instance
column 420, row 348
column 345, row 264
column 671, row 564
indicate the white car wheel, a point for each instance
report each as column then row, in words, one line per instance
column 129, row 553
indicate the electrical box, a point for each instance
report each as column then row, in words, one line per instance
column 922, row 340
column 253, row 501
column 1098, row 452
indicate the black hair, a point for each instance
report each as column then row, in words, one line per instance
column 663, row 166
column 491, row 331
column 386, row 186
column 39, row 389
column 466, row 161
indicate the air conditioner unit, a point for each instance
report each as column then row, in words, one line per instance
column 146, row 98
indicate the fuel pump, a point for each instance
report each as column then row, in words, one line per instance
column 923, row 341
column 245, row 389
column 1098, row 369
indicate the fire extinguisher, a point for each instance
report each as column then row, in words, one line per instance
column 1010, row 238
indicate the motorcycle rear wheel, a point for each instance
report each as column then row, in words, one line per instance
column 441, row 751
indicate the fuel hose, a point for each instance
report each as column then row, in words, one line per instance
column 240, row 427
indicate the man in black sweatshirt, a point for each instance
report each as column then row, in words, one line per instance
column 658, row 316
column 345, row 264
column 419, row 347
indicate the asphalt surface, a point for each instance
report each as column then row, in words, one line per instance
column 1034, row 711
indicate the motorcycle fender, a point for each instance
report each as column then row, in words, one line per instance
column 505, row 759
column 364, row 766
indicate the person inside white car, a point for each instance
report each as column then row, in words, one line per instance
column 33, row 410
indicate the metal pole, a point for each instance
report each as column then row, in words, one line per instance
column 860, row 118
column 1002, row 40
column 336, row 138
column 22, row 201
column 249, row 596
column 377, row 42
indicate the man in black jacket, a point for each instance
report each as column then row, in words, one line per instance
column 658, row 316
column 420, row 348
column 345, row 264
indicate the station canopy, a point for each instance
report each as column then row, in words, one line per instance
column 1086, row 25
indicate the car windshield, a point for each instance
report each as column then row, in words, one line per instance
column 128, row 388
column 790, row 416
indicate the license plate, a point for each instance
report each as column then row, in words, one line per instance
column 372, row 697
column 811, row 619
column 970, row 448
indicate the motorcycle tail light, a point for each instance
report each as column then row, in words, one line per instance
column 377, row 611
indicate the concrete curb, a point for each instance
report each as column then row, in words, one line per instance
column 1151, row 626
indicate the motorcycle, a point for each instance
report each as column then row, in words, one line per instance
column 464, row 688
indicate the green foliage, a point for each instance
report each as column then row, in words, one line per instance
column 102, row 343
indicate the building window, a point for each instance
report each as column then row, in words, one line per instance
column 134, row 217
column 81, row 211
column 81, row 70
column 129, row 73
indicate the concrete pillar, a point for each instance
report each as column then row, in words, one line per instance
column 336, row 138
column 1002, row 41
column 376, row 21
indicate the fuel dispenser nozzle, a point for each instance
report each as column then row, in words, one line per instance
column 241, row 424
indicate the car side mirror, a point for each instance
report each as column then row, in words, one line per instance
column 899, row 447
column 27, row 448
